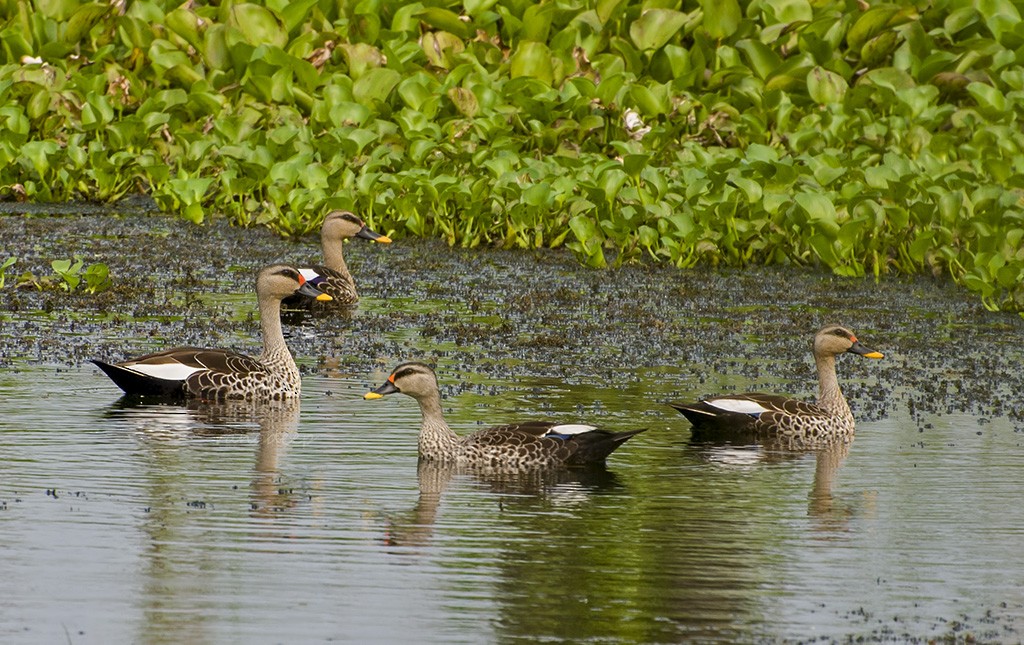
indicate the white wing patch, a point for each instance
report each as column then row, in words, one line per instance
column 309, row 274
column 571, row 428
column 165, row 371
column 740, row 406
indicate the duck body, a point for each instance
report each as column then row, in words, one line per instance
column 220, row 374
column 774, row 416
column 333, row 277
column 209, row 374
column 767, row 414
column 533, row 444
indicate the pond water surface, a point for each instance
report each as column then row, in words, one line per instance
column 313, row 522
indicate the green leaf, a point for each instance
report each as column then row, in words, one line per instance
column 820, row 211
column 1000, row 16
column 258, row 25
column 532, row 59
column 826, row 87
column 762, row 59
column 824, row 248
column 464, row 101
column 296, row 12
column 39, row 153
column 990, row 100
column 606, row 9
column 375, row 85
column 445, row 20
column 441, row 48
column 361, row 57
column 721, row 17
column 787, row 11
column 633, row 164
column 655, row 27
column 83, row 20
column 870, row 24
column 537, row 195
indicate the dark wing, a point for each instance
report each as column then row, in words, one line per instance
column 776, row 404
column 528, row 430
column 743, row 413
column 134, row 383
column 223, row 370
column 221, row 361
column 543, row 437
column 521, row 442
column 593, row 447
column 179, row 371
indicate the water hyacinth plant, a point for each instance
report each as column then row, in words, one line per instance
column 866, row 137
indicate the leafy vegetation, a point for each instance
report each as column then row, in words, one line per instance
column 865, row 136
column 6, row 264
column 67, row 275
column 72, row 272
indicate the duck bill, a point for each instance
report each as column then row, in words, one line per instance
column 366, row 234
column 312, row 292
column 859, row 349
column 387, row 388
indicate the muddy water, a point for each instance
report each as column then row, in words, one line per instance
column 312, row 522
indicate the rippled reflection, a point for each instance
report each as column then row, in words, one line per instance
column 177, row 553
column 562, row 487
column 830, row 513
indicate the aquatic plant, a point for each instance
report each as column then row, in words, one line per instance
column 72, row 272
column 868, row 139
column 6, row 264
column 69, row 272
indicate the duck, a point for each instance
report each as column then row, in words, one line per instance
column 333, row 277
column 514, row 446
column 778, row 417
column 221, row 374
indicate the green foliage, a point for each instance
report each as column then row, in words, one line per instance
column 69, row 272
column 6, row 264
column 869, row 139
column 72, row 272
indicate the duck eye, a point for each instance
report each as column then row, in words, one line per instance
column 406, row 372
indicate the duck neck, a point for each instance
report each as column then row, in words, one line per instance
column 437, row 441
column 830, row 397
column 333, row 257
column 275, row 356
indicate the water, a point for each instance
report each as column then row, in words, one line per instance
column 312, row 522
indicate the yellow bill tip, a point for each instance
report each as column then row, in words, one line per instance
column 323, row 297
column 369, row 396
column 383, row 239
column 874, row 355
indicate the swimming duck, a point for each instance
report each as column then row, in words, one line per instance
column 512, row 446
column 216, row 374
column 771, row 415
column 333, row 277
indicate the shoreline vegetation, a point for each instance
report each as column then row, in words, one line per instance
column 870, row 138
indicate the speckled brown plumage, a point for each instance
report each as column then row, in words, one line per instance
column 218, row 374
column 799, row 422
column 333, row 277
column 533, row 444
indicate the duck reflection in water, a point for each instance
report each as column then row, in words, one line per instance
column 831, row 514
column 274, row 425
column 565, row 488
